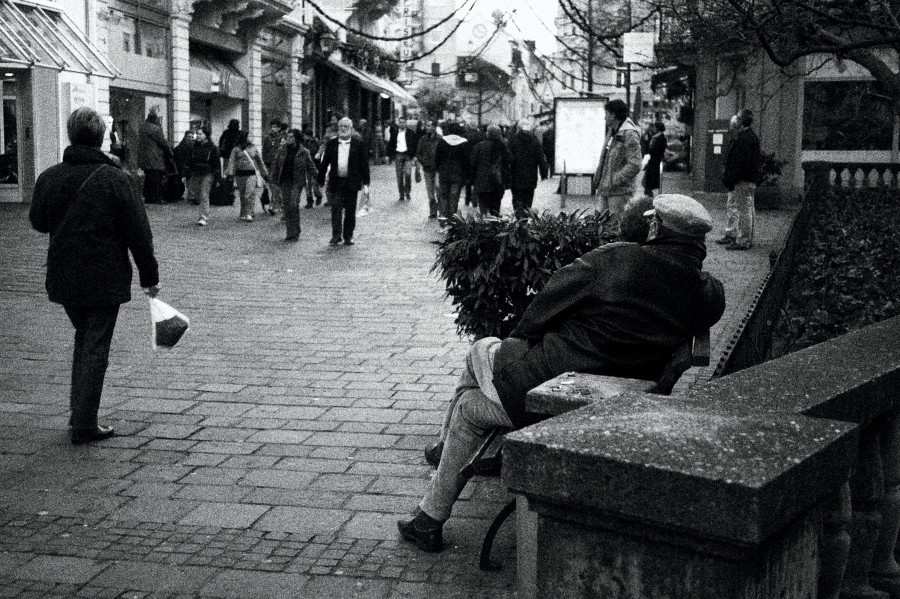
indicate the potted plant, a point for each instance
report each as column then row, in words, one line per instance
column 768, row 192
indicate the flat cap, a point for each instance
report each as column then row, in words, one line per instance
column 681, row 214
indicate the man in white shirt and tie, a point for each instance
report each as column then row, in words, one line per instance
column 402, row 149
column 347, row 166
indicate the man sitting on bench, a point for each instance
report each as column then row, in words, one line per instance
column 619, row 310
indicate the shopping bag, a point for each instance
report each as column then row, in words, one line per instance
column 365, row 205
column 167, row 325
column 418, row 173
column 221, row 192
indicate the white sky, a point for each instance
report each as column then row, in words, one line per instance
column 532, row 17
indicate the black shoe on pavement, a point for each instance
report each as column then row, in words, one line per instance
column 433, row 454
column 334, row 241
column 726, row 240
column 98, row 434
column 424, row 531
column 348, row 242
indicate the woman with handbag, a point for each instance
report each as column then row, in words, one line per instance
column 249, row 171
column 491, row 160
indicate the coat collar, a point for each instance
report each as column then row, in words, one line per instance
column 86, row 155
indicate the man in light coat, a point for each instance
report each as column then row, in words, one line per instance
column 620, row 161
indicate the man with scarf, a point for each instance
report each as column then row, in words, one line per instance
column 619, row 310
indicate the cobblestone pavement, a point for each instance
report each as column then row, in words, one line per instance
column 270, row 454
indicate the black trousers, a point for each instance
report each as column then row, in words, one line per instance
column 489, row 202
column 343, row 211
column 94, row 327
column 522, row 200
column 153, row 186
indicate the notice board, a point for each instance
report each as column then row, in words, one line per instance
column 580, row 134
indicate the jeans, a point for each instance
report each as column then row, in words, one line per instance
column 739, row 212
column 343, row 208
column 198, row 189
column 474, row 410
column 522, row 200
column 247, row 192
column 94, row 327
column 403, row 166
column 431, row 189
column 291, row 196
column 449, row 199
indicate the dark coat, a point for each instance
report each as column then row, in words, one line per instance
column 204, row 160
column 153, row 153
column 411, row 142
column 357, row 164
column 491, row 175
column 527, row 160
column 182, row 154
column 304, row 166
column 452, row 160
column 227, row 141
column 656, row 148
column 548, row 141
column 426, row 147
column 619, row 310
column 743, row 160
column 90, row 235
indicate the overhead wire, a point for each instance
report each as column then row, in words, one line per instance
column 382, row 38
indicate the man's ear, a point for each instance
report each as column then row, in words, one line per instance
column 654, row 229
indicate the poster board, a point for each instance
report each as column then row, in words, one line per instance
column 580, row 125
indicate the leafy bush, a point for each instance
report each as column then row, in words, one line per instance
column 846, row 268
column 771, row 170
column 494, row 267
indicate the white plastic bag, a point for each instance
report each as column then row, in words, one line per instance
column 365, row 205
column 167, row 325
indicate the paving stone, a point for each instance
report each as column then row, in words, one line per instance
column 158, row 578
column 285, row 479
column 279, row 436
column 347, row 588
column 303, row 520
column 172, row 406
column 352, row 440
column 53, row 568
column 224, row 515
column 372, row 525
column 153, row 509
column 243, row 584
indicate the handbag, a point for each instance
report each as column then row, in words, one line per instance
column 259, row 179
column 418, row 173
column 221, row 192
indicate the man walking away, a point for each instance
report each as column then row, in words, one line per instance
column 620, row 161
column 425, row 152
column 87, row 206
column 742, row 174
column 656, row 151
column 527, row 161
column 490, row 162
column 452, row 162
column 154, row 158
column 402, row 150
column 347, row 166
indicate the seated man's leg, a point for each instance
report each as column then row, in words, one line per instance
column 475, row 414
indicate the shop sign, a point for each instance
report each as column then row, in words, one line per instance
column 80, row 94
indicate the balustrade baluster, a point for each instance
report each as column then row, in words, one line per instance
column 834, row 546
column 885, row 574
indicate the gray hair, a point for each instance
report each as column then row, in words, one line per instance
column 86, row 128
column 345, row 121
column 524, row 124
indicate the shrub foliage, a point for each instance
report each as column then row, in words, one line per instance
column 846, row 267
column 494, row 267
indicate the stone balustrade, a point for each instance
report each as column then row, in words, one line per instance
column 780, row 480
column 861, row 174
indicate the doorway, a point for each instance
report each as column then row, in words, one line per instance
column 10, row 190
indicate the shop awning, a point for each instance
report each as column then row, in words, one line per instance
column 34, row 35
column 212, row 75
column 374, row 82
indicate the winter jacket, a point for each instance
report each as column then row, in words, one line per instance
column 490, row 175
column 153, row 153
column 227, row 141
column 303, row 164
column 452, row 160
column 620, row 162
column 619, row 310
column 204, row 160
column 527, row 160
column 182, row 154
column 743, row 160
column 411, row 141
column 656, row 148
column 425, row 150
column 92, row 232
column 243, row 160
column 270, row 146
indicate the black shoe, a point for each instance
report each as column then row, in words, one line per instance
column 348, row 242
column 430, row 216
column 726, row 240
column 297, row 238
column 308, row 206
column 424, row 531
column 319, row 202
column 401, row 199
column 433, row 455
column 98, row 434
column 334, row 241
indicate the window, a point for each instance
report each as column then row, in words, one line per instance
column 140, row 37
column 153, row 39
column 620, row 78
column 846, row 115
column 9, row 167
column 435, row 69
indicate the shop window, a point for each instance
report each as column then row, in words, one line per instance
column 9, row 166
column 140, row 37
column 846, row 115
column 153, row 39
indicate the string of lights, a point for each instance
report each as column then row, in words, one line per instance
column 456, row 69
column 381, row 38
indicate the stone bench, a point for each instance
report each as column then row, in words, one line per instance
column 742, row 488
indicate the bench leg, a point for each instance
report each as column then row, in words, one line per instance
column 484, row 562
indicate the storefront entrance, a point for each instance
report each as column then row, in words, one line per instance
column 10, row 190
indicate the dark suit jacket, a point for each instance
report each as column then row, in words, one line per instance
column 412, row 141
column 357, row 164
